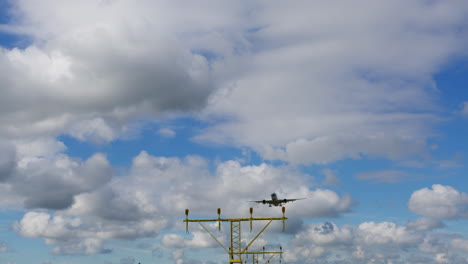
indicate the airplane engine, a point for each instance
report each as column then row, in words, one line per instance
column 285, row 201
column 264, row 202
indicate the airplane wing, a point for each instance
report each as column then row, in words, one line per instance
column 262, row 201
column 290, row 200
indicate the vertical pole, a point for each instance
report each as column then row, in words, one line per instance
column 251, row 212
column 219, row 219
column 186, row 219
column 283, row 209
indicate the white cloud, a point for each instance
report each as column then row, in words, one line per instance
column 344, row 83
column 371, row 233
column 442, row 258
column 369, row 242
column 36, row 174
column 442, row 202
column 308, row 94
column 325, row 234
column 323, row 92
column 464, row 110
column 425, row 224
column 90, row 77
column 31, row 148
column 155, row 194
column 82, row 235
column 359, row 253
column 433, row 245
column 299, row 254
column 167, row 132
column 199, row 239
column 461, row 244
column 178, row 256
column 335, row 90
column 187, row 183
column 172, row 241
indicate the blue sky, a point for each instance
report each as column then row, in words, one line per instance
column 117, row 115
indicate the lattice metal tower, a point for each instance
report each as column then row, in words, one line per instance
column 235, row 250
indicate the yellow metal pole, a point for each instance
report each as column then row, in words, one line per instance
column 251, row 212
column 261, row 231
column 213, row 237
column 283, row 209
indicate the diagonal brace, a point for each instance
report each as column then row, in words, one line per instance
column 213, row 237
column 261, row 231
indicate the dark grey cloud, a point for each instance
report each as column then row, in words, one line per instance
column 50, row 182
column 53, row 183
column 7, row 160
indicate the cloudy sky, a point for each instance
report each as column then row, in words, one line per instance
column 117, row 115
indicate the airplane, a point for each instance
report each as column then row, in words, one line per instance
column 275, row 201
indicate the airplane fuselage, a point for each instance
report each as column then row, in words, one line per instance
column 275, row 200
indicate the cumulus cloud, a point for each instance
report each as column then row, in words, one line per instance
column 54, row 183
column 199, row 239
column 316, row 94
column 387, row 233
column 369, row 242
column 37, row 174
column 461, row 244
column 58, row 229
column 324, row 235
column 373, row 242
column 433, row 245
column 312, row 91
column 7, row 160
column 187, row 183
column 157, row 190
column 425, row 224
column 330, row 95
column 298, row 254
column 90, row 77
column 442, row 202
column 82, row 235
column 178, row 256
